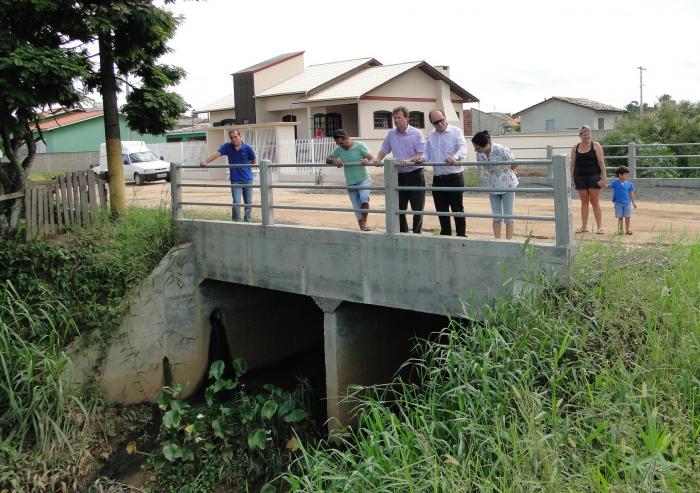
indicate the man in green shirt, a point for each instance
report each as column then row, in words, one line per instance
column 353, row 157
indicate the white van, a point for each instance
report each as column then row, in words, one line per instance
column 140, row 163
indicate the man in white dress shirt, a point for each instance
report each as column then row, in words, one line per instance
column 446, row 144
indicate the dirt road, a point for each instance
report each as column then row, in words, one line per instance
column 653, row 221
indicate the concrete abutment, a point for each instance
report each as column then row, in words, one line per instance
column 175, row 319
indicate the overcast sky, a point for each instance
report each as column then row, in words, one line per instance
column 510, row 54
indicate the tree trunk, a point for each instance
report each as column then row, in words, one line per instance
column 13, row 175
column 117, row 190
column 10, row 216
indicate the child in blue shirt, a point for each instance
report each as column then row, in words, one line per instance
column 623, row 198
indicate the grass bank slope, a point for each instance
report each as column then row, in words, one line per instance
column 51, row 433
column 595, row 388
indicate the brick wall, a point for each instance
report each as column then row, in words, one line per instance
column 467, row 119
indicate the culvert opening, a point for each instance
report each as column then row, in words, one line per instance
column 279, row 335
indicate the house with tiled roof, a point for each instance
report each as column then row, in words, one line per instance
column 357, row 95
column 80, row 130
column 558, row 114
column 220, row 111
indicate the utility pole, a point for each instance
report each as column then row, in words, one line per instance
column 641, row 101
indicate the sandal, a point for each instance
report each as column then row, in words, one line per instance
column 581, row 230
column 629, row 233
column 600, row 232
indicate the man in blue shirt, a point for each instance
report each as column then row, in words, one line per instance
column 238, row 152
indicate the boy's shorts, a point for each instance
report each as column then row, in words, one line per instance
column 623, row 210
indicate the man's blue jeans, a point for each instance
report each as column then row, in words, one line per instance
column 247, row 193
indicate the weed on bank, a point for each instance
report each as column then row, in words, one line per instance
column 592, row 388
column 52, row 292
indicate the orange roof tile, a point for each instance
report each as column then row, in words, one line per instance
column 64, row 119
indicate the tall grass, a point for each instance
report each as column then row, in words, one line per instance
column 42, row 417
column 91, row 269
column 33, row 393
column 49, row 293
column 595, row 388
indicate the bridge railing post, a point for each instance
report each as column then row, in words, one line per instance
column 266, row 211
column 561, row 182
column 391, row 197
column 176, row 190
column 550, row 154
column 632, row 159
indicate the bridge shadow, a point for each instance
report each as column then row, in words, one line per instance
column 287, row 338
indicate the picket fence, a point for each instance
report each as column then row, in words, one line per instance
column 72, row 199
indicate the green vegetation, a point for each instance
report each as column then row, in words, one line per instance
column 50, row 431
column 668, row 122
column 590, row 388
column 595, row 388
column 234, row 441
column 91, row 271
column 45, row 175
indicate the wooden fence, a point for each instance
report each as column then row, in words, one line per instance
column 52, row 205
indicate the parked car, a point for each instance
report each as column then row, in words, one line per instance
column 140, row 163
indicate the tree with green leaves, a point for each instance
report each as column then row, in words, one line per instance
column 668, row 122
column 48, row 50
column 42, row 61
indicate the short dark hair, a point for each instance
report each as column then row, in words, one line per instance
column 482, row 138
column 621, row 170
column 235, row 131
column 400, row 109
column 339, row 133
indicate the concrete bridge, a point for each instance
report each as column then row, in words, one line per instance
column 278, row 289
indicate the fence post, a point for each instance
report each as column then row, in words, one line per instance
column 391, row 197
column 175, row 190
column 550, row 154
column 632, row 159
column 561, row 181
column 267, row 215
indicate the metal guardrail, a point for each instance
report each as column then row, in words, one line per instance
column 560, row 191
column 633, row 158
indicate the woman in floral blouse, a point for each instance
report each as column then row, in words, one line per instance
column 498, row 177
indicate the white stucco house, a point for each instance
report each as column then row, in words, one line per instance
column 357, row 95
column 559, row 114
column 279, row 103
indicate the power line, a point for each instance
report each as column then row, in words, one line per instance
column 641, row 101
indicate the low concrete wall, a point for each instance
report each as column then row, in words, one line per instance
column 667, row 182
column 428, row 274
column 65, row 161
column 638, row 182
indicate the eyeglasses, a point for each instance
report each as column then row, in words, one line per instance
column 438, row 122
